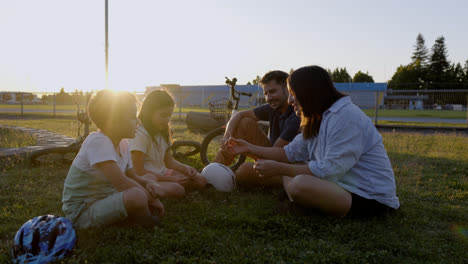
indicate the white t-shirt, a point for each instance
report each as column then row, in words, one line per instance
column 85, row 184
column 155, row 150
column 98, row 148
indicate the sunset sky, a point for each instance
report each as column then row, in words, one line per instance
column 49, row 44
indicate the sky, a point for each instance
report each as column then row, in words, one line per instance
column 49, row 44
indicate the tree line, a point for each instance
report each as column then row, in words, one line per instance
column 64, row 98
column 430, row 69
column 427, row 70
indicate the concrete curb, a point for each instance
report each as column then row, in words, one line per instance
column 44, row 139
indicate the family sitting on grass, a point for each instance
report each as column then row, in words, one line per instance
column 337, row 164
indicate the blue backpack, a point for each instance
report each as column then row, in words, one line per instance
column 43, row 239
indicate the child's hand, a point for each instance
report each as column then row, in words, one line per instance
column 179, row 179
column 155, row 189
column 191, row 172
column 156, row 205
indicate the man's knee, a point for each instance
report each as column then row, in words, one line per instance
column 247, row 122
column 246, row 174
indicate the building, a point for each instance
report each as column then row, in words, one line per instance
column 362, row 94
column 15, row 97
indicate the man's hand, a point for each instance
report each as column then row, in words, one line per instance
column 237, row 146
column 223, row 143
column 268, row 168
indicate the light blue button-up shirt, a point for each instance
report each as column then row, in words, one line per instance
column 349, row 151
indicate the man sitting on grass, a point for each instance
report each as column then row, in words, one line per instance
column 284, row 126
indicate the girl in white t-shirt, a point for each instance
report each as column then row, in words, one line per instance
column 150, row 147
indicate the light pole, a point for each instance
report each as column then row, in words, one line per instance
column 107, row 45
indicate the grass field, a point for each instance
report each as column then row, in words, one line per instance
column 446, row 114
column 10, row 138
column 431, row 226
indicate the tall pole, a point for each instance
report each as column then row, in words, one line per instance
column 107, row 45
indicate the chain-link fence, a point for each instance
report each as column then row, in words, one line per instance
column 384, row 106
column 436, row 107
column 42, row 104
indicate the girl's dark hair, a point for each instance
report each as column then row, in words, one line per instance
column 314, row 89
column 154, row 101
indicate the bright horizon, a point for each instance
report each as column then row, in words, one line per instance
column 51, row 44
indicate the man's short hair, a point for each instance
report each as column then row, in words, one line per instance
column 279, row 77
column 106, row 107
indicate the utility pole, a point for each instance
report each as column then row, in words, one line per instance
column 107, row 44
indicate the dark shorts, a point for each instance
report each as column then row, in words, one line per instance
column 362, row 207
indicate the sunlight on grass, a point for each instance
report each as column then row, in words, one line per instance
column 12, row 138
column 431, row 174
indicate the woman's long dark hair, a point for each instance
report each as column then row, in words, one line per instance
column 154, row 101
column 314, row 89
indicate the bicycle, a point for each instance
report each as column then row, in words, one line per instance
column 222, row 109
column 66, row 154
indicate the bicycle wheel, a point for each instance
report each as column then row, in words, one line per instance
column 210, row 146
column 183, row 149
column 54, row 155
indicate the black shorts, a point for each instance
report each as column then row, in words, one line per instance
column 362, row 207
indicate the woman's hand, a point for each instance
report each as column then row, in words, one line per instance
column 268, row 168
column 237, row 146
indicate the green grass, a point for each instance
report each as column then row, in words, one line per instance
column 421, row 124
column 446, row 114
column 12, row 138
column 42, row 107
column 244, row 227
column 66, row 127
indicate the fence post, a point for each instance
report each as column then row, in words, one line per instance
column 467, row 110
column 21, row 105
column 376, row 107
column 202, row 97
column 180, row 107
column 86, row 125
column 54, row 105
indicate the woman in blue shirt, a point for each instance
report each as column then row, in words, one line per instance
column 338, row 164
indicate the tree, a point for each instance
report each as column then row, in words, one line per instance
column 465, row 70
column 420, row 51
column 455, row 73
column 256, row 81
column 361, row 77
column 340, row 75
column 6, row 97
column 405, row 77
column 438, row 64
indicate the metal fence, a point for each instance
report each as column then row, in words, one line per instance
column 383, row 106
